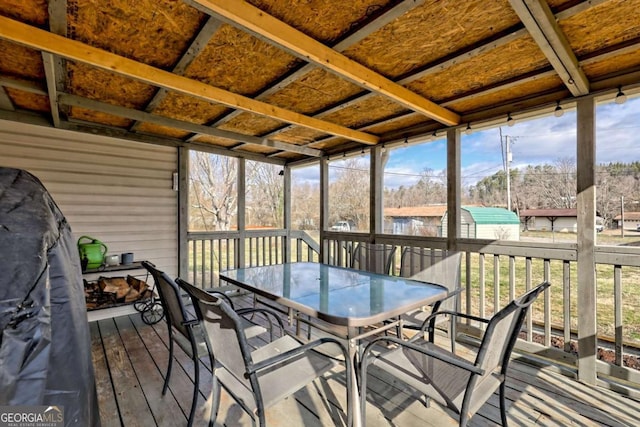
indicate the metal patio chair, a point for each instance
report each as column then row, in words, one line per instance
column 434, row 266
column 375, row 258
column 184, row 328
column 258, row 379
column 441, row 375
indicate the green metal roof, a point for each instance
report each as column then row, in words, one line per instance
column 492, row 215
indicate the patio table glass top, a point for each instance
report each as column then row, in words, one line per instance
column 338, row 295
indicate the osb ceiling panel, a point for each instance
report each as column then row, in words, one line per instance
column 514, row 59
column 19, row 61
column 430, row 32
column 238, row 62
column 259, row 149
column 321, row 19
column 513, row 93
column 611, row 29
column 314, row 91
column 188, row 108
column 29, row 101
column 155, row 32
column 151, row 128
column 251, row 124
column 98, row 117
column 299, row 136
column 362, row 113
column 94, row 83
column 222, row 142
column 400, row 123
column 32, row 11
column 612, row 65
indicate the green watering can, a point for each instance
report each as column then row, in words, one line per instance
column 91, row 253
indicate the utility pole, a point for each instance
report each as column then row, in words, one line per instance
column 508, row 159
column 622, row 216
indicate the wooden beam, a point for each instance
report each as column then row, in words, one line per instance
column 353, row 38
column 543, row 27
column 77, row 101
column 245, row 15
column 23, row 85
column 50, row 67
column 5, row 101
column 36, row 38
column 195, row 48
column 54, row 66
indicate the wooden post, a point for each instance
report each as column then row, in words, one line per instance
column 183, row 212
column 453, row 188
column 287, row 214
column 242, row 217
column 586, row 191
column 376, row 177
column 324, row 208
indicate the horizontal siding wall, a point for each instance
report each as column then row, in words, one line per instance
column 119, row 192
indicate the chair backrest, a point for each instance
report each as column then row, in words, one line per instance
column 503, row 329
column 171, row 299
column 375, row 258
column 224, row 333
column 434, row 266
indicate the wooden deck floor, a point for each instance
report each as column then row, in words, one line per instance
column 130, row 360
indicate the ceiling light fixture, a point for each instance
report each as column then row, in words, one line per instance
column 558, row 112
column 620, row 97
column 468, row 130
column 510, row 121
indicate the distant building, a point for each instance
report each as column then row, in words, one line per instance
column 560, row 220
column 486, row 223
column 414, row 220
column 631, row 220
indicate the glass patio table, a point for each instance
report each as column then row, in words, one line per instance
column 346, row 299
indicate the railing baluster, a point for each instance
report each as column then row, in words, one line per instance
column 617, row 306
column 547, row 304
column 467, row 280
column 496, row 283
column 566, row 295
column 481, row 284
column 512, row 277
column 527, row 281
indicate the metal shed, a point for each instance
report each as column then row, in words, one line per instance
column 486, row 223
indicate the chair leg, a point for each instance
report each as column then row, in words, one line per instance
column 503, row 406
column 215, row 400
column 196, row 389
column 168, row 374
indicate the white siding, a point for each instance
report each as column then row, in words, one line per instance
column 498, row 231
column 119, row 192
column 467, row 225
column 562, row 224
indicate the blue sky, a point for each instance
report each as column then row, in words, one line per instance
column 537, row 141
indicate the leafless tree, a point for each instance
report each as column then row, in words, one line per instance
column 265, row 194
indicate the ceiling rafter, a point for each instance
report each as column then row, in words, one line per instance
column 198, row 44
column 54, row 66
column 36, row 38
column 130, row 113
column 465, row 54
column 543, row 27
column 24, row 85
column 5, row 101
column 256, row 21
column 385, row 18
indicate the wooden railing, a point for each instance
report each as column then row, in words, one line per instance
column 212, row 252
column 493, row 272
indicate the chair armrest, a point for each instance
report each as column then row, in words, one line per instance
column 467, row 366
column 224, row 296
column 268, row 313
column 450, row 313
column 290, row 354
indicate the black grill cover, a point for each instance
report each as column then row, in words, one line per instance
column 45, row 346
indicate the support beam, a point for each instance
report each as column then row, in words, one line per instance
column 23, row 85
column 586, row 275
column 537, row 17
column 454, row 188
column 183, row 211
column 77, row 101
column 38, row 39
column 241, row 214
column 256, row 21
column 54, row 66
column 197, row 46
column 324, row 209
column 384, row 19
column 376, row 180
column 287, row 213
column 5, row 101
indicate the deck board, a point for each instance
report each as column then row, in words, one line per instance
column 130, row 360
